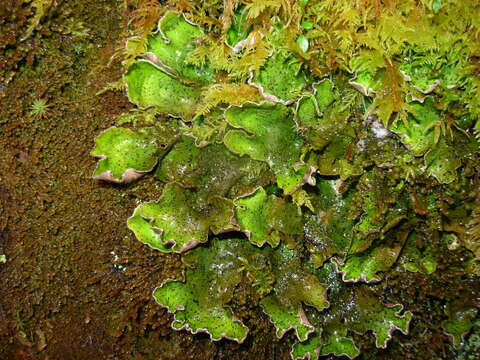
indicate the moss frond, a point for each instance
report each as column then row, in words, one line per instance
column 228, row 94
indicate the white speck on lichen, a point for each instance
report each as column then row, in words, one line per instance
column 379, row 131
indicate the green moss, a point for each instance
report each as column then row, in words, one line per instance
column 472, row 345
column 239, row 29
column 288, row 269
column 329, row 231
column 215, row 271
column 367, row 83
column 442, row 162
column 218, row 322
column 335, row 342
column 366, row 265
column 286, row 318
column 415, row 259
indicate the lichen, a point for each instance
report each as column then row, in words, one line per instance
column 150, row 86
column 180, row 219
column 267, row 130
column 329, row 185
column 460, row 319
column 125, row 154
column 267, row 219
column 357, row 310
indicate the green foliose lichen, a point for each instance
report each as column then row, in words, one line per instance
column 338, row 138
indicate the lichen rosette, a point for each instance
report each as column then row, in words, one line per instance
column 309, row 194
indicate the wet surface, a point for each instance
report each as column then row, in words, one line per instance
column 76, row 284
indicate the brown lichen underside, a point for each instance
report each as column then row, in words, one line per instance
column 62, row 293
